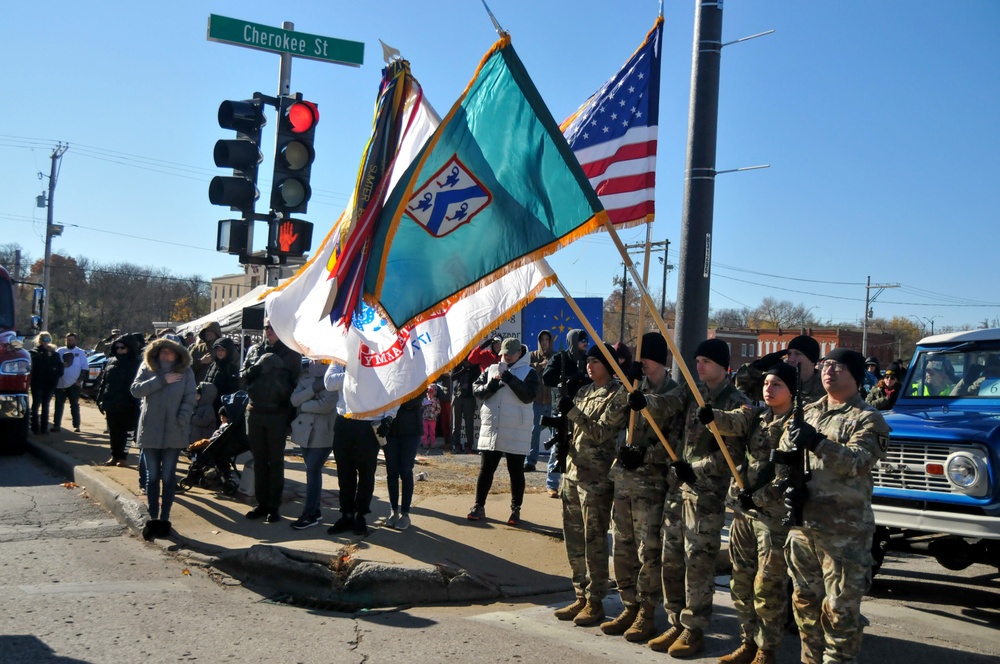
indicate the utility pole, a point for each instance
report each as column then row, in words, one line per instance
column 653, row 247
column 57, row 154
column 869, row 298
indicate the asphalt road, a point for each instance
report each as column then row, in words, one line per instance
column 77, row 587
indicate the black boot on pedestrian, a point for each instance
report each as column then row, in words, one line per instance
column 162, row 529
column 342, row 525
column 360, row 525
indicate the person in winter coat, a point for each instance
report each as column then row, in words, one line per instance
column 201, row 352
column 271, row 371
column 543, row 400
column 486, row 354
column 114, row 396
column 463, row 406
column 46, row 368
column 883, row 396
column 508, row 390
column 205, row 419
column 165, row 384
column 224, row 371
column 312, row 430
column 430, row 408
column 402, row 442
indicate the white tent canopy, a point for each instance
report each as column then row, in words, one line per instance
column 229, row 317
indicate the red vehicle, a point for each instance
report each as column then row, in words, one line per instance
column 15, row 375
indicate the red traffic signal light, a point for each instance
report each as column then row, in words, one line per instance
column 293, row 155
column 289, row 237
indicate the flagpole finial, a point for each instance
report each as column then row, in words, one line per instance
column 496, row 24
column 389, row 53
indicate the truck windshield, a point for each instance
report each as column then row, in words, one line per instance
column 964, row 372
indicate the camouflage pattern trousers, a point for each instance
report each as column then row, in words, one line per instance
column 760, row 580
column 692, row 536
column 831, row 573
column 586, row 517
column 636, row 520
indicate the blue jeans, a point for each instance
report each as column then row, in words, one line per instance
column 537, row 409
column 143, row 475
column 400, row 454
column 314, row 457
column 161, row 464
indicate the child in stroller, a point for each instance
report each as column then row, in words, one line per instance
column 213, row 460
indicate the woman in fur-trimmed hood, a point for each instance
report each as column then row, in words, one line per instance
column 166, row 385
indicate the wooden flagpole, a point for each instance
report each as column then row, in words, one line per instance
column 611, row 362
column 639, row 326
column 648, row 301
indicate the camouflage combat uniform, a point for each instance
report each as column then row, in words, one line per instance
column 757, row 537
column 829, row 556
column 692, row 525
column 638, row 504
column 587, row 491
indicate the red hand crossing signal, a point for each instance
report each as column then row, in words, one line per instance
column 289, row 237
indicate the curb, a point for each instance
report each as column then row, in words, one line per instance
column 351, row 584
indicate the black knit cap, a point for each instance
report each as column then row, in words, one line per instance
column 854, row 361
column 595, row 352
column 807, row 346
column 654, row 347
column 716, row 350
column 786, row 373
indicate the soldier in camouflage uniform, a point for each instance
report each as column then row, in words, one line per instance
column 829, row 554
column 692, row 536
column 802, row 352
column 757, row 534
column 587, row 491
column 640, row 479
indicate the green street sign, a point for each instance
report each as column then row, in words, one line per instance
column 297, row 44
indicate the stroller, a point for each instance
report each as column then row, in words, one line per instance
column 216, row 463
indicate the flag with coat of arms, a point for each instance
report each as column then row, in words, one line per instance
column 496, row 187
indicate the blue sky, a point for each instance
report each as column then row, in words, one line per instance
column 878, row 120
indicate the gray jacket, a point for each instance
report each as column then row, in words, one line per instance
column 165, row 416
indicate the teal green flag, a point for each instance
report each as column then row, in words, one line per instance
column 495, row 187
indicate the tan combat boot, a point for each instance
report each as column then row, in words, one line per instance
column 688, row 644
column 592, row 614
column 745, row 654
column 624, row 620
column 569, row 612
column 663, row 642
column 765, row 657
column 643, row 626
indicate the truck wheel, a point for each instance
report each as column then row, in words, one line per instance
column 14, row 434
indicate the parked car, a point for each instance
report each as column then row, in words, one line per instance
column 95, row 368
column 937, row 492
column 15, row 375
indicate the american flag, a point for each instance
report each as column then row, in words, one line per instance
column 614, row 135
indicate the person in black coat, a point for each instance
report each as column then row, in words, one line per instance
column 114, row 396
column 402, row 443
column 46, row 369
column 224, row 372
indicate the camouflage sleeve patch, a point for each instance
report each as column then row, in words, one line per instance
column 883, row 442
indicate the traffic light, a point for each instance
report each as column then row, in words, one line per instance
column 289, row 237
column 293, row 155
column 242, row 154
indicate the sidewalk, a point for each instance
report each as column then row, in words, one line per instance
column 442, row 557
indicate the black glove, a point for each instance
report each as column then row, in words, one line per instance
column 746, row 500
column 705, row 415
column 383, row 427
column 486, row 343
column 769, row 360
column 636, row 400
column 803, row 436
column 685, row 473
column 635, row 373
column 631, row 457
column 565, row 405
column 795, row 498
